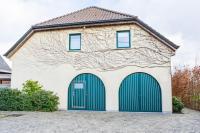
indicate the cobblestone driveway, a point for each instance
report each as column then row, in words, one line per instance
column 94, row 122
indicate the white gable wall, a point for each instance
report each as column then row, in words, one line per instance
column 45, row 57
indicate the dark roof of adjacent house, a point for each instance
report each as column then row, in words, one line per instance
column 4, row 66
column 90, row 16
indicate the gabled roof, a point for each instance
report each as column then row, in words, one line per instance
column 90, row 16
column 4, row 66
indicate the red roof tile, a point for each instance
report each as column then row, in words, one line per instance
column 89, row 14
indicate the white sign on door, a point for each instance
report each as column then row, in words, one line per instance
column 78, row 85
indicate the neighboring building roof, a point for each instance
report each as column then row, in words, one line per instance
column 91, row 16
column 4, row 66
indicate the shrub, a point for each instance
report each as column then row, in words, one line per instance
column 31, row 86
column 44, row 101
column 186, row 85
column 31, row 98
column 13, row 99
column 177, row 104
column 9, row 99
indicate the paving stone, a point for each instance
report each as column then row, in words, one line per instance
column 99, row 122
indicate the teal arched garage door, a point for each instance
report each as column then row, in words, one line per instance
column 86, row 92
column 140, row 92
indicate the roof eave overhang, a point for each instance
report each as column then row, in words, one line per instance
column 35, row 28
column 11, row 51
column 5, row 71
column 157, row 35
column 99, row 22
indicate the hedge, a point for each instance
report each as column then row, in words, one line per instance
column 29, row 99
column 177, row 104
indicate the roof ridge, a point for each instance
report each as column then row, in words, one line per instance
column 61, row 16
column 112, row 11
column 116, row 12
column 105, row 17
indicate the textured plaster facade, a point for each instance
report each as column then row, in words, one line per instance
column 46, row 57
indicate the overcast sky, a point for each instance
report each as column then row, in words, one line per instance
column 178, row 20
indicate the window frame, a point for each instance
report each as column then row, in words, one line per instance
column 74, row 34
column 124, row 31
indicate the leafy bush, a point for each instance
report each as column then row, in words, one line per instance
column 31, row 86
column 25, row 103
column 177, row 104
column 31, row 98
column 13, row 99
column 44, row 101
column 186, row 85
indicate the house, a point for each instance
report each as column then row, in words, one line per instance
column 5, row 74
column 97, row 59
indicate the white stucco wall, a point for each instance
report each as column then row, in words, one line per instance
column 45, row 57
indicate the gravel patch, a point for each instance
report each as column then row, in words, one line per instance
column 2, row 116
column 99, row 122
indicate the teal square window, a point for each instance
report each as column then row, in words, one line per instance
column 75, row 41
column 123, row 39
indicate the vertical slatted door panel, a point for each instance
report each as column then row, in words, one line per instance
column 94, row 93
column 150, row 94
column 76, row 97
column 140, row 92
column 128, row 94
